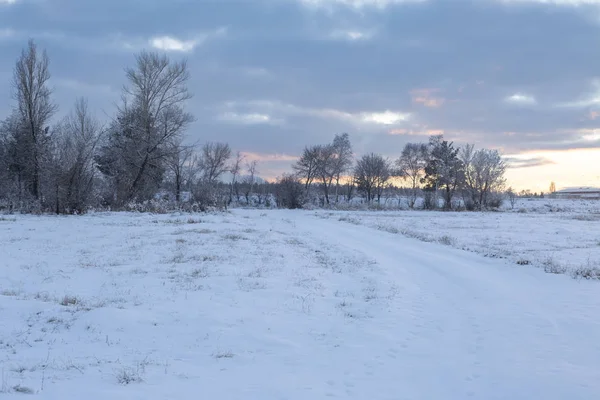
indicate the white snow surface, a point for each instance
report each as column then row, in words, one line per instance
column 290, row 305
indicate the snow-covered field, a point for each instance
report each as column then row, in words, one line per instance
column 559, row 236
column 298, row 305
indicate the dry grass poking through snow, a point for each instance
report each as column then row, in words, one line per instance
column 130, row 299
column 560, row 237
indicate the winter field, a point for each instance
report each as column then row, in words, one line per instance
column 280, row 304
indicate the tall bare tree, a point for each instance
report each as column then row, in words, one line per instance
column 178, row 163
column 151, row 118
column 342, row 150
column 235, row 169
column 483, row 174
column 213, row 161
column 250, row 179
column 307, row 166
column 411, row 165
column 325, row 168
column 76, row 141
column 35, row 108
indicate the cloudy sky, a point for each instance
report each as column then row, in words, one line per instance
column 270, row 76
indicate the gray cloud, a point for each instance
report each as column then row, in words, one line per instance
column 285, row 73
column 527, row 162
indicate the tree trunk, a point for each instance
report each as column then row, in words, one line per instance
column 138, row 177
column 178, row 187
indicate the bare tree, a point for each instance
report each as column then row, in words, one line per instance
column 325, row 168
column 76, row 140
column 35, row 108
column 411, row 165
column 371, row 174
column 307, row 166
column 250, row 179
column 178, row 163
column 151, row 118
column 342, row 159
column 483, row 174
column 213, row 161
column 512, row 197
column 235, row 169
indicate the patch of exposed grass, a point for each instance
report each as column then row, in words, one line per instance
column 223, row 354
column 23, row 389
column 587, row 272
column 68, row 300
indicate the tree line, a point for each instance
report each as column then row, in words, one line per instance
column 139, row 156
column 77, row 163
column 437, row 171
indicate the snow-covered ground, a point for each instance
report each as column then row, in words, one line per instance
column 560, row 236
column 295, row 305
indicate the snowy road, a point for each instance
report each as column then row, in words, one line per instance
column 466, row 326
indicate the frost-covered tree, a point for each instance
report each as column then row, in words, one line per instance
column 411, row 166
column 326, row 168
column 306, row 168
column 235, row 169
column 30, row 140
column 371, row 175
column 250, row 179
column 342, row 159
column 444, row 170
column 178, row 164
column 214, row 159
column 150, row 119
column 74, row 171
column 483, row 175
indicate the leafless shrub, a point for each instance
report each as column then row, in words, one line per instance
column 9, row 293
column 552, row 267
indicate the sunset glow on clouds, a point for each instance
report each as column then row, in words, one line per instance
column 271, row 76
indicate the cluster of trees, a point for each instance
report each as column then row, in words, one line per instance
column 77, row 162
column 473, row 178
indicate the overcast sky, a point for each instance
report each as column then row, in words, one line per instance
column 270, row 76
